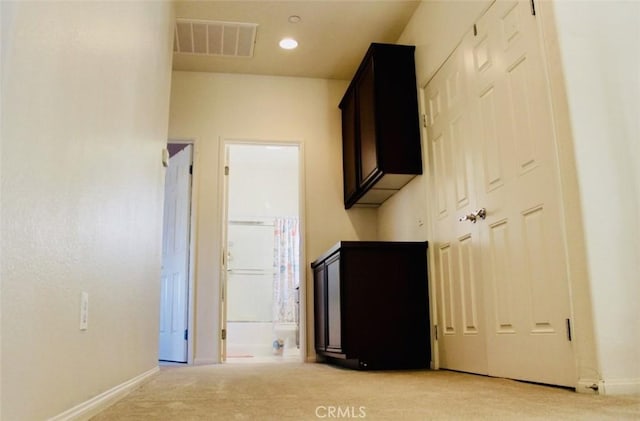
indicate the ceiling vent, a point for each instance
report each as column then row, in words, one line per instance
column 214, row 38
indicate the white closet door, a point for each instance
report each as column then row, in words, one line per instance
column 507, row 272
column 460, row 305
column 523, row 252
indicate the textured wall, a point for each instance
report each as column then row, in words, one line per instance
column 602, row 76
column 85, row 93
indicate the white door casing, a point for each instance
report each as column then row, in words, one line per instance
column 175, row 258
column 224, row 281
column 518, row 250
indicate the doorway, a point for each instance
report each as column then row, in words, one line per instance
column 261, row 306
column 176, row 245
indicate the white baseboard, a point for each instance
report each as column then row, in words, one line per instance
column 620, row 387
column 205, row 361
column 95, row 405
column 609, row 387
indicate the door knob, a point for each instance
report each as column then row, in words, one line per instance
column 473, row 216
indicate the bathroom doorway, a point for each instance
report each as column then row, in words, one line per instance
column 261, row 300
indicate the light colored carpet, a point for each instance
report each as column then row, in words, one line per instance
column 297, row 391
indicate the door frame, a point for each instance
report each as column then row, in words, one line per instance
column 223, row 220
column 192, row 244
column 431, row 284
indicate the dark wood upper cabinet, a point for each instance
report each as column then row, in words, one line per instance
column 380, row 126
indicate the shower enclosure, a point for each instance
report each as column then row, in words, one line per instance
column 262, row 286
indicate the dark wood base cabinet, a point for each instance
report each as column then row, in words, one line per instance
column 371, row 305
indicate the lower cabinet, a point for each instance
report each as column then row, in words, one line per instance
column 371, row 305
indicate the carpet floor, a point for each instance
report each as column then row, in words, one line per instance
column 298, row 391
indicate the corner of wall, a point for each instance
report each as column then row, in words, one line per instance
column 578, row 273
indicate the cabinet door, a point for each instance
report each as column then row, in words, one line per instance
column 334, row 316
column 320, row 306
column 367, row 123
column 349, row 148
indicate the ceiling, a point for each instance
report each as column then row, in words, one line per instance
column 333, row 35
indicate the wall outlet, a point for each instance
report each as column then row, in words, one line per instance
column 84, row 311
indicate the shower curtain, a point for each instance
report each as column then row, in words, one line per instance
column 286, row 272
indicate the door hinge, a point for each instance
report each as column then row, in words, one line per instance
column 475, row 30
column 191, row 169
column 224, row 334
column 435, row 330
column 226, row 170
column 533, row 7
column 569, row 337
column 186, row 334
column 424, row 120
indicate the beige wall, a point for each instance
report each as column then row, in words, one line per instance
column 598, row 48
column 208, row 108
column 85, row 93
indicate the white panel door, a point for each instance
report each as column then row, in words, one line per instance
column 501, row 284
column 175, row 259
column 460, row 305
column 526, row 286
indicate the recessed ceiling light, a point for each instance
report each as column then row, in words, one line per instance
column 294, row 19
column 288, row 43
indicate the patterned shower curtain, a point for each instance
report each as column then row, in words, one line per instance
column 286, row 273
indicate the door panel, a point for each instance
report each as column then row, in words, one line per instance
column 521, row 238
column 334, row 334
column 447, row 290
column 367, row 123
column 501, row 288
column 469, row 295
column 459, row 299
column 174, row 283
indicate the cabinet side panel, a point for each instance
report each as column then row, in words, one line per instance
column 349, row 147
column 367, row 123
column 320, row 310
column 398, row 130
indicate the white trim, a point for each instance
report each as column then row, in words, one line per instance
column 302, row 217
column 193, row 249
column 223, row 204
column 205, row 361
column 434, row 364
column 97, row 404
column 619, row 387
column 222, row 208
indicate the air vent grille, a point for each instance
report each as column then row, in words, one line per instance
column 215, row 38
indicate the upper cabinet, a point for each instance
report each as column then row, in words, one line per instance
column 380, row 126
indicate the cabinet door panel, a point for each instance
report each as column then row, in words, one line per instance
column 367, row 123
column 334, row 320
column 349, row 148
column 320, row 322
